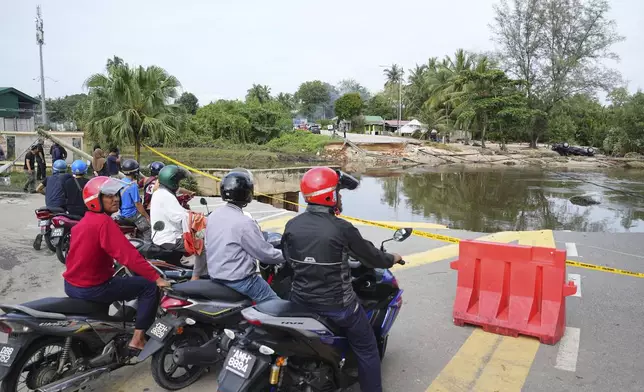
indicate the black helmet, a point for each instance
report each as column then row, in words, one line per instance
column 155, row 168
column 170, row 177
column 130, row 166
column 237, row 187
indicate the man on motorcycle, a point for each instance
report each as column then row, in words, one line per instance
column 74, row 188
column 53, row 185
column 96, row 242
column 131, row 207
column 234, row 241
column 165, row 207
column 316, row 245
column 148, row 183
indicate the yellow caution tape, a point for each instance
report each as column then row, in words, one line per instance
column 437, row 237
column 605, row 269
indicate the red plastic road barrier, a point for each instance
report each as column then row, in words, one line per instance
column 512, row 289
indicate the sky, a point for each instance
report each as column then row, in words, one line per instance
column 218, row 49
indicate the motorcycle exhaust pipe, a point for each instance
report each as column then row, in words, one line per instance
column 74, row 381
column 208, row 354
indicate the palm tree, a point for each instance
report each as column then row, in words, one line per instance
column 394, row 75
column 131, row 103
column 259, row 92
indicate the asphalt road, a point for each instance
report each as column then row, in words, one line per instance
column 361, row 138
column 602, row 349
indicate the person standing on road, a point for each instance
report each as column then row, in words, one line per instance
column 98, row 163
column 40, row 162
column 30, row 161
column 96, row 242
column 74, row 188
column 113, row 162
column 316, row 244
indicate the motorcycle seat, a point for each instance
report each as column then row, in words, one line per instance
column 283, row 308
column 69, row 306
column 209, row 290
column 123, row 222
column 56, row 210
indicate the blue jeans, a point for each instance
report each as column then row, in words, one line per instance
column 355, row 324
column 122, row 289
column 253, row 286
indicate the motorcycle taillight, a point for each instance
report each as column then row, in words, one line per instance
column 42, row 215
column 169, row 302
column 5, row 328
column 57, row 221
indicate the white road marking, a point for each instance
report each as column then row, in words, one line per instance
column 577, row 279
column 571, row 249
column 568, row 350
column 272, row 216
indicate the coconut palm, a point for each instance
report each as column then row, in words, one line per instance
column 132, row 103
column 260, row 93
column 394, row 75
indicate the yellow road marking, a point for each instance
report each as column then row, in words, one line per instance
column 505, row 365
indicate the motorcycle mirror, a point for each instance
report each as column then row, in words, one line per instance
column 203, row 201
column 402, row 234
column 158, row 226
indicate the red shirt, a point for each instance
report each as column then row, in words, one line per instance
column 96, row 241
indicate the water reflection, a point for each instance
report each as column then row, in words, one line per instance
column 510, row 199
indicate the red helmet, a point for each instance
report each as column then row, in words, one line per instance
column 319, row 186
column 98, row 186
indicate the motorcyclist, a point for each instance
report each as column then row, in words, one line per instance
column 74, row 188
column 96, row 242
column 234, row 241
column 148, row 183
column 53, row 185
column 316, row 244
column 132, row 210
column 164, row 207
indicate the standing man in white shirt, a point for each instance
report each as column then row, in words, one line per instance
column 165, row 207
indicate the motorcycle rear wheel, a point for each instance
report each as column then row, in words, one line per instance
column 13, row 379
column 163, row 378
column 62, row 247
column 50, row 245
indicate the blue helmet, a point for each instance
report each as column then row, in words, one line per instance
column 79, row 167
column 60, row 166
column 155, row 168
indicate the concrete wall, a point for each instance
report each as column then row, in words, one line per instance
column 283, row 183
column 25, row 139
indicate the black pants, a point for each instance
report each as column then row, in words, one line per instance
column 41, row 173
column 353, row 320
column 122, row 289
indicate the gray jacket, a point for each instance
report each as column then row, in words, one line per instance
column 233, row 242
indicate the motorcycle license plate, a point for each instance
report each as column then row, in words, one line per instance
column 57, row 232
column 159, row 330
column 239, row 362
column 43, row 223
column 8, row 354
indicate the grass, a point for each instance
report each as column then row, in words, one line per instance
column 18, row 180
column 290, row 149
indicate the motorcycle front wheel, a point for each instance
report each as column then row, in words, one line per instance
column 165, row 370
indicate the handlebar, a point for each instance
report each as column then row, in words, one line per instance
column 402, row 262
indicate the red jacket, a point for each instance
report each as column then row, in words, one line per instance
column 96, row 241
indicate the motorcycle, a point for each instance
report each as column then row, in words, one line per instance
column 290, row 348
column 196, row 312
column 63, row 344
column 44, row 216
column 62, row 232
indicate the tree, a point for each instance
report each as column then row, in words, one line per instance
column 394, row 75
column 348, row 106
column 64, row 109
column 287, row 100
column 131, row 104
column 556, row 47
column 381, row 105
column 259, row 93
column 189, row 102
column 346, row 86
column 311, row 95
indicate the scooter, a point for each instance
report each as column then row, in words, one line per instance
column 62, row 232
column 288, row 347
column 64, row 344
column 44, row 215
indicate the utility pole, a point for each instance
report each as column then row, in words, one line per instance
column 40, row 39
column 399, row 101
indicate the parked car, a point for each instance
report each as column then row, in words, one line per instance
column 315, row 128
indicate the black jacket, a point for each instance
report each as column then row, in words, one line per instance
column 315, row 244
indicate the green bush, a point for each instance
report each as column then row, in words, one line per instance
column 191, row 184
column 297, row 142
